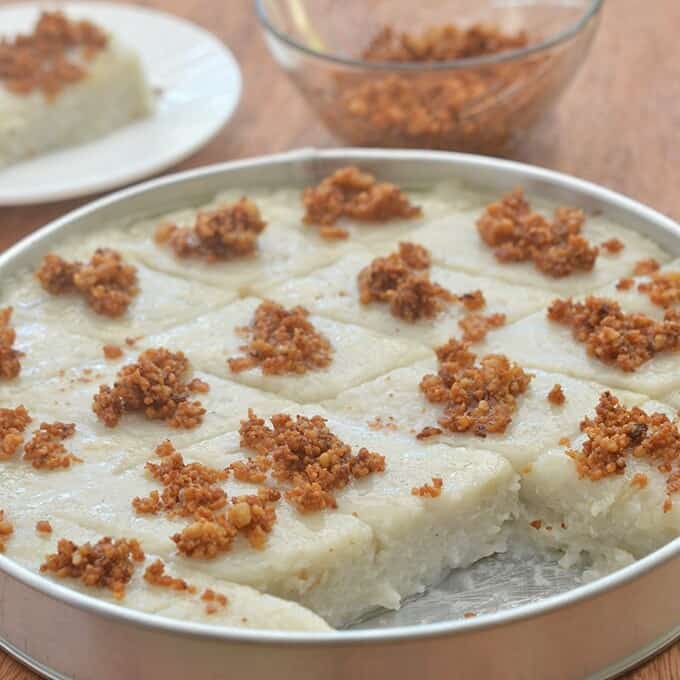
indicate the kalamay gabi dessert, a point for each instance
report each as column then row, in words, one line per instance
column 66, row 83
column 287, row 410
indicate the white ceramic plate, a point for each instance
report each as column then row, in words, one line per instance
column 198, row 84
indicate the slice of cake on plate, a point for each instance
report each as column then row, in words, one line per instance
column 66, row 83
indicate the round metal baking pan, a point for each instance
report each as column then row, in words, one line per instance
column 594, row 631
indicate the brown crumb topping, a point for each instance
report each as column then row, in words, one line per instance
column 556, row 395
column 252, row 470
column 43, row 527
column 468, row 109
column 108, row 563
column 45, row 450
column 198, row 385
column 623, row 340
column 6, row 530
column 51, row 57
column 536, row 524
column 206, row 538
column 10, row 366
column 112, row 352
column 213, row 601
column 428, row 432
column 613, row 246
column 518, row 234
column 304, row 453
column 646, row 267
column 154, row 386
column 476, row 398
column 473, row 301
column 617, row 433
column 476, row 326
column 639, row 480
column 13, row 423
column 226, row 233
column 402, row 281
column 662, row 289
column 442, row 43
column 625, row 284
column 564, row 441
column 348, row 192
column 193, row 490
column 469, row 615
column 155, row 575
column 377, row 423
column 254, row 515
column 189, row 490
column 433, row 490
column 282, row 341
column 106, row 282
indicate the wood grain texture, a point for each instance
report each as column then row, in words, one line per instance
column 618, row 125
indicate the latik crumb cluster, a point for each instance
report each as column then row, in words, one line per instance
column 476, row 398
column 107, row 283
column 518, row 234
column 156, row 386
column 348, row 192
column 225, row 233
column 304, row 453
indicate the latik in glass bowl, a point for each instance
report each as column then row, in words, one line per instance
column 465, row 75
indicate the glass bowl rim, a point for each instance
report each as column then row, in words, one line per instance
column 591, row 11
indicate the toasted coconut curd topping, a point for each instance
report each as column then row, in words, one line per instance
column 43, row 527
column 662, row 289
column 108, row 563
column 476, row 398
column 45, row 450
column 617, row 433
column 54, row 56
column 252, row 515
column 556, row 395
column 427, row 109
column 282, row 341
column 646, row 267
column 446, row 42
column 156, row 576
column 6, row 530
column 10, row 366
column 625, row 283
column 194, row 490
column 13, row 423
column 348, row 192
column 106, row 282
column 476, row 326
column 154, row 386
column 613, row 246
column 305, row 454
column 213, row 601
column 433, row 490
column 225, row 233
column 518, row 234
column 112, row 352
column 626, row 341
column 402, row 281
column 189, row 489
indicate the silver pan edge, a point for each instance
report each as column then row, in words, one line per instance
column 595, row 631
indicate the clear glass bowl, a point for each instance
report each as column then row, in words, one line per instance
column 482, row 104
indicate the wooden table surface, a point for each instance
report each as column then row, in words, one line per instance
column 618, row 124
